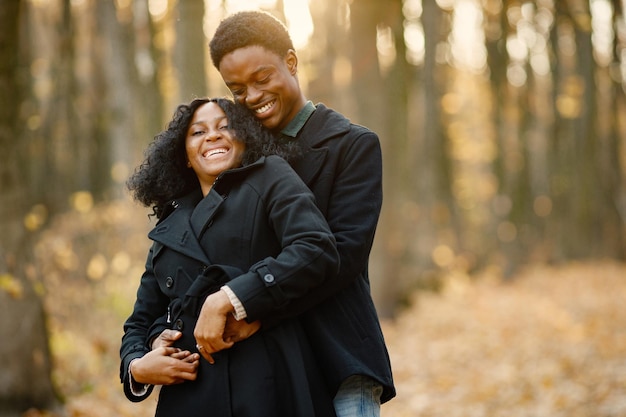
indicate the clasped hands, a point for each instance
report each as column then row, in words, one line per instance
column 215, row 330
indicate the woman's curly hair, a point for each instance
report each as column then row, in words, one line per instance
column 164, row 174
column 248, row 28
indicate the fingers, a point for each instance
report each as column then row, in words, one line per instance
column 210, row 342
column 209, row 329
column 186, row 356
column 237, row 331
column 166, row 338
column 193, row 357
column 187, row 375
column 205, row 354
column 163, row 367
column 212, row 345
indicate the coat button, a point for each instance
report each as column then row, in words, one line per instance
column 169, row 282
column 269, row 278
column 178, row 324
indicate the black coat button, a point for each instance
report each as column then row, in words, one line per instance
column 169, row 282
column 178, row 324
column 269, row 278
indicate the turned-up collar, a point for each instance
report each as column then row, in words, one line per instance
column 295, row 126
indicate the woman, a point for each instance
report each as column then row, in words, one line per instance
column 233, row 220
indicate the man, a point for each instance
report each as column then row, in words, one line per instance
column 342, row 165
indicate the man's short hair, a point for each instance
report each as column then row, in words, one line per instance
column 249, row 28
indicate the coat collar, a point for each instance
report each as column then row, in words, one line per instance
column 182, row 229
column 176, row 231
column 323, row 124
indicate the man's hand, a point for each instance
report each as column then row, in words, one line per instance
column 238, row 330
column 165, row 366
column 209, row 331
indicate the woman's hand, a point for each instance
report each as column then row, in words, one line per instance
column 166, row 338
column 165, row 366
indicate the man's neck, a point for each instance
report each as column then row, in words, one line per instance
column 297, row 123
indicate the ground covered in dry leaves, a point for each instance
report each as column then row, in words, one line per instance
column 549, row 343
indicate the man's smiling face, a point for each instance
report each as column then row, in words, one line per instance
column 265, row 83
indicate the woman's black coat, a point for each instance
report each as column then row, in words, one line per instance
column 260, row 231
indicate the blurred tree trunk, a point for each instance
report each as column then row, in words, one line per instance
column 584, row 209
column 116, row 82
column 370, row 102
column 148, row 102
column 326, row 49
column 497, row 31
column 432, row 179
column 399, row 81
column 367, row 88
column 561, row 150
column 612, row 170
column 61, row 152
column 588, row 215
column 610, row 189
column 516, row 232
column 49, row 104
column 24, row 353
column 190, row 50
column 516, row 246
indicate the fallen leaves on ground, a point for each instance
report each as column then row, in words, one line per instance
column 551, row 342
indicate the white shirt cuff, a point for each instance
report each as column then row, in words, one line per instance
column 240, row 311
column 136, row 388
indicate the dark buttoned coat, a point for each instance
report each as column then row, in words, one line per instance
column 260, row 231
column 343, row 168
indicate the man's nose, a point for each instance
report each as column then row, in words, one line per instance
column 253, row 95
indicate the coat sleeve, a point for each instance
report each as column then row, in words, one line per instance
column 354, row 205
column 150, row 305
column 308, row 254
column 352, row 210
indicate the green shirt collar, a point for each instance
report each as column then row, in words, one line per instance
column 294, row 126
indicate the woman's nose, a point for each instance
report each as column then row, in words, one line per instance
column 213, row 135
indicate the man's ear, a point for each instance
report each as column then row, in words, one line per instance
column 291, row 59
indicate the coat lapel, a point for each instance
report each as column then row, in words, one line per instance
column 204, row 212
column 310, row 165
column 321, row 126
column 182, row 229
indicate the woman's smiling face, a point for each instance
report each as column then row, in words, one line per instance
column 211, row 145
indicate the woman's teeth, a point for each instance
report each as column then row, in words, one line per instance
column 214, row 152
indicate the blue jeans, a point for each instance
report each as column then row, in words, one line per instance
column 358, row 396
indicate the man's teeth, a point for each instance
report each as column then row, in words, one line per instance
column 264, row 108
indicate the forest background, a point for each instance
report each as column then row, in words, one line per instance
column 501, row 241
